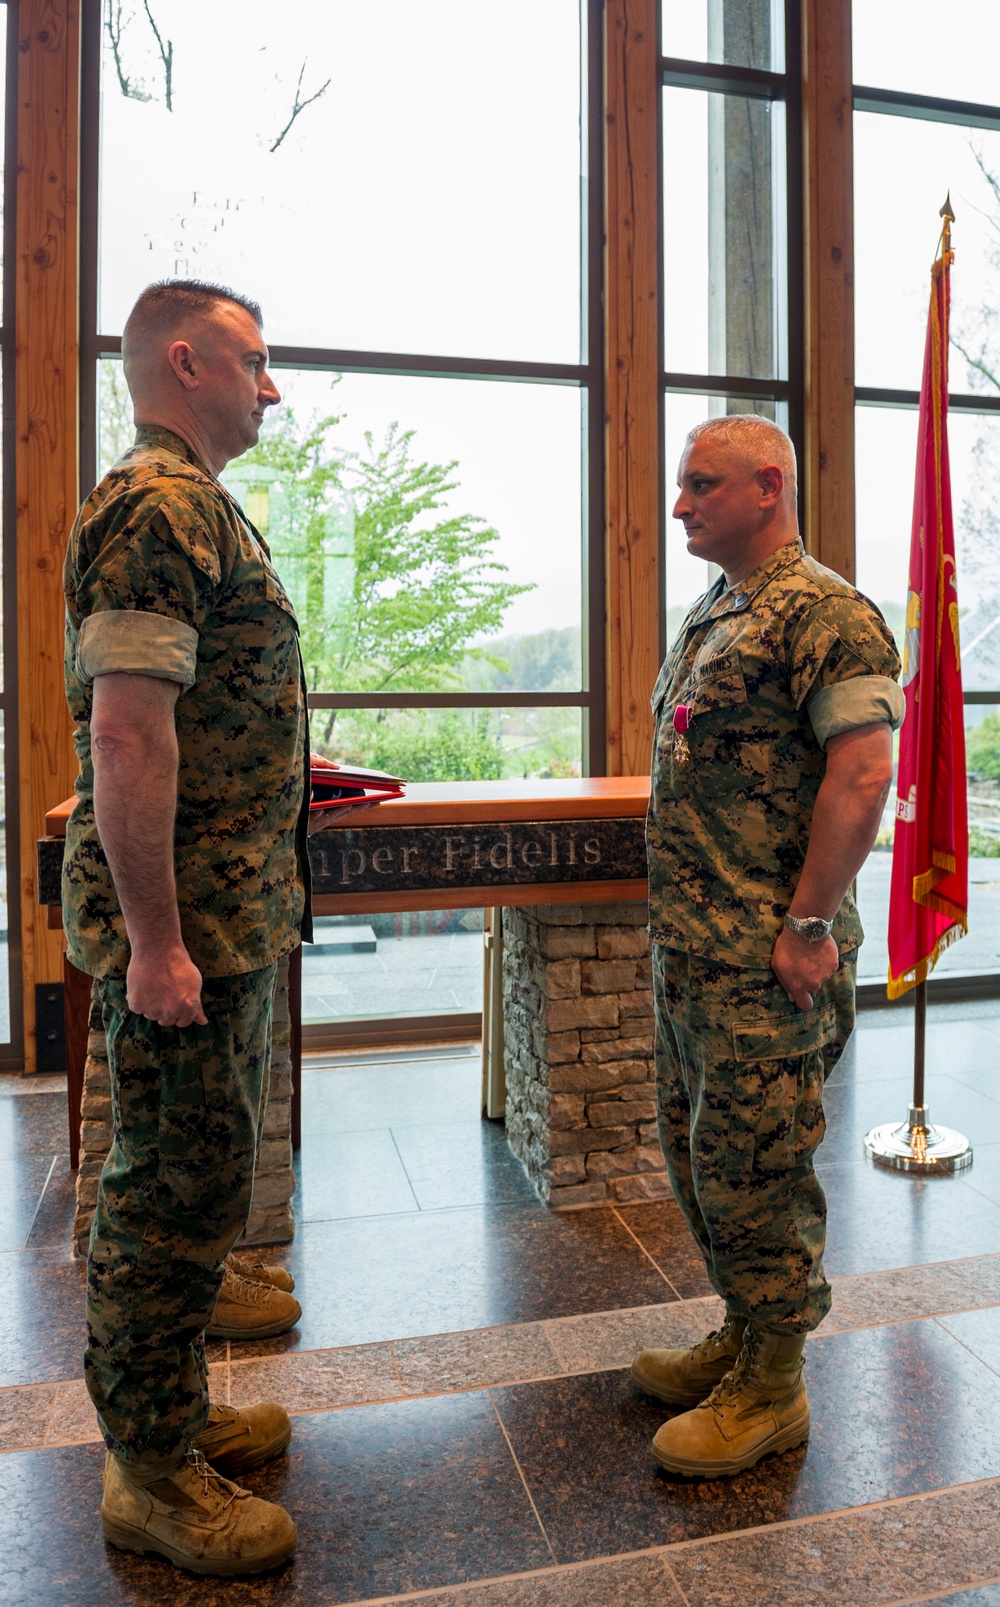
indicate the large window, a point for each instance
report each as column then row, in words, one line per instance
column 408, row 189
column 731, row 246
column 921, row 130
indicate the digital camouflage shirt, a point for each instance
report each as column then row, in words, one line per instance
column 165, row 576
column 764, row 675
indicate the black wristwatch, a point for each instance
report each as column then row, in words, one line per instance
column 812, row 927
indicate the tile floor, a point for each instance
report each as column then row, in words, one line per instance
column 466, row 1434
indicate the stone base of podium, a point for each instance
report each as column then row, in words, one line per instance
column 578, row 1052
column 272, row 1219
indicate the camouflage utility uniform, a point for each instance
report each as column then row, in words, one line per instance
column 165, row 577
column 768, row 671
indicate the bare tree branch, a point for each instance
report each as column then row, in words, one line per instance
column 115, row 27
column 977, row 363
column 300, row 105
column 166, row 56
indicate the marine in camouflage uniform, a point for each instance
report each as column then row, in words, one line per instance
column 165, row 577
column 769, row 671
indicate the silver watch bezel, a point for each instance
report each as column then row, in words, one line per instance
column 813, row 928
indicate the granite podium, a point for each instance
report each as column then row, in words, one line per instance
column 565, row 860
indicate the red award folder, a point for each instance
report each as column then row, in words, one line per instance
column 349, row 785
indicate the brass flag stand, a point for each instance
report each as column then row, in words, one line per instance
column 916, row 1145
column 929, row 899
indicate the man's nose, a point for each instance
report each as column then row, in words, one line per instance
column 269, row 392
column 682, row 507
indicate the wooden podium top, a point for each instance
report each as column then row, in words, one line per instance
column 470, row 803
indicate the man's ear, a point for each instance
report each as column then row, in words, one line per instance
column 772, row 484
column 181, row 358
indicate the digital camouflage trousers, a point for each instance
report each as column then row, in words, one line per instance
column 173, row 1198
column 739, row 1082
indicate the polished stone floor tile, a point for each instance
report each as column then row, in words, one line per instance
column 603, row 1494
column 664, row 1234
column 442, row 1271
column 979, row 1331
column 52, row 1227
column 41, row 1316
column 475, row 1360
column 24, row 1414
column 854, row 1107
column 984, row 1596
column 819, row 1563
column 21, row 1189
column 878, row 1220
column 880, row 1055
column 622, row 1582
column 72, row 1420
column 397, row 1094
column 983, row 1176
column 945, row 1540
column 982, row 1273
column 33, row 1124
column 613, row 1338
column 316, row 1379
column 350, row 1175
column 461, row 1163
column 877, row 1297
column 386, row 1499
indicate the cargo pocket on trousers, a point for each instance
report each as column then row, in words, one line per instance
column 776, row 1111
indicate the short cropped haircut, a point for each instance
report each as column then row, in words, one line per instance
column 164, row 304
column 759, row 441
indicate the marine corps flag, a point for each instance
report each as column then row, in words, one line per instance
column 928, row 905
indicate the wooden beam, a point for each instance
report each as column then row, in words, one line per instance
column 632, row 378
column 828, row 201
column 46, row 412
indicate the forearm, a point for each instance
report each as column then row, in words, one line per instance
column 135, row 804
column 845, row 824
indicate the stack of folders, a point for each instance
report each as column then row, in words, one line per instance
column 349, row 785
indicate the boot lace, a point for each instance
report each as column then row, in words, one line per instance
column 245, row 1266
column 739, row 1374
column 213, row 1484
column 244, row 1290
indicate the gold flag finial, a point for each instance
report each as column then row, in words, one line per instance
column 949, row 218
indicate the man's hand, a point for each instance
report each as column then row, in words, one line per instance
column 803, row 967
column 165, row 986
column 320, row 819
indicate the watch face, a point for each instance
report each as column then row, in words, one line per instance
column 813, row 928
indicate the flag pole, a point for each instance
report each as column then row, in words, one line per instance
column 916, row 1145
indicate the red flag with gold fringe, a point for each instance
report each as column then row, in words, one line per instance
column 928, row 904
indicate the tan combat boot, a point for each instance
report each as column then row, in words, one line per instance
column 196, row 1519
column 248, row 1310
column 685, row 1377
column 236, row 1442
column 759, row 1407
column 245, row 1266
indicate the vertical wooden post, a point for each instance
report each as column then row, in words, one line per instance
column 828, row 171
column 632, row 385
column 46, row 411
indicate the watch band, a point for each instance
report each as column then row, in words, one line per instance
column 811, row 927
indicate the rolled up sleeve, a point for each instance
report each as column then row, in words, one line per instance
column 132, row 642
column 863, row 700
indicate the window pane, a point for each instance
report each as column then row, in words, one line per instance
column 428, row 962
column 686, row 577
column 979, row 950
column 724, row 235
column 424, row 197
column 419, row 523
column 454, row 744
column 914, row 45
column 903, row 170
column 745, row 33
column 886, row 444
